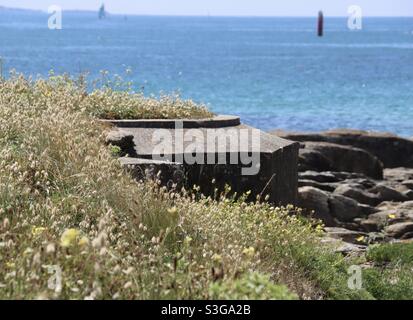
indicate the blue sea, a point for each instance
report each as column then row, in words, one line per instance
column 273, row 72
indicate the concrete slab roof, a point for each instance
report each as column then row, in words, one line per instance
column 234, row 139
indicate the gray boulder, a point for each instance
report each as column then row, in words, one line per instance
column 343, row 208
column 344, row 234
column 385, row 193
column 393, row 151
column 402, row 230
column 330, row 187
column 398, row 174
column 361, row 196
column 382, row 218
column 345, row 248
column 370, row 225
column 313, row 199
column 313, row 160
column 408, row 194
column 408, row 184
column 318, row 176
column 348, row 159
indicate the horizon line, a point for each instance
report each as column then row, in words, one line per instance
column 201, row 15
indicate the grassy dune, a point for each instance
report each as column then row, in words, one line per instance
column 68, row 209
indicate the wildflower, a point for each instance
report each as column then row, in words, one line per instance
column 391, row 216
column 50, row 248
column 37, row 258
column 84, row 241
column 127, row 285
column 27, row 251
column 10, row 265
column 188, row 240
column 155, row 240
column 129, row 270
column 37, row 231
column 98, row 241
column 173, row 211
column 216, row 258
column 6, row 223
column 360, row 239
column 103, row 251
column 249, row 252
column 69, row 237
column 319, row 227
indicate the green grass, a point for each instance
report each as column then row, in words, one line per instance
column 391, row 273
column 109, row 104
column 391, row 253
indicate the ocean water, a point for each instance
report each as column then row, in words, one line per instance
column 273, row 72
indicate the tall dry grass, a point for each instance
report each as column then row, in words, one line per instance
column 66, row 204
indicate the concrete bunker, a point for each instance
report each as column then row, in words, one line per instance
column 210, row 153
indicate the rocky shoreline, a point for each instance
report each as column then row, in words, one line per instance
column 359, row 183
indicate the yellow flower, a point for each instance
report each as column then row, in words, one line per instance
column 392, row 216
column 27, row 251
column 68, row 237
column 188, row 240
column 173, row 210
column 360, row 239
column 217, row 258
column 37, row 231
column 319, row 228
column 84, row 241
column 10, row 265
column 249, row 252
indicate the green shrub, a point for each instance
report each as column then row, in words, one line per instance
column 251, row 286
column 389, row 283
column 391, row 253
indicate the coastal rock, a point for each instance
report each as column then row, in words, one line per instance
column 312, row 160
column 343, row 208
column 344, row 234
column 403, row 230
column 393, row 151
column 316, row 200
column 345, row 248
column 396, row 207
column 348, row 159
column 329, row 187
column 370, row 225
column 383, row 218
column 408, row 194
column 408, row 184
column 349, row 176
column 357, row 194
column 385, row 193
column 407, row 206
column 363, row 184
column 367, row 210
column 318, row 176
column 398, row 174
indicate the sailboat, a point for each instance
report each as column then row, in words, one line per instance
column 102, row 12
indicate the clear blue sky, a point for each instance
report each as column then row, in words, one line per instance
column 228, row 7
